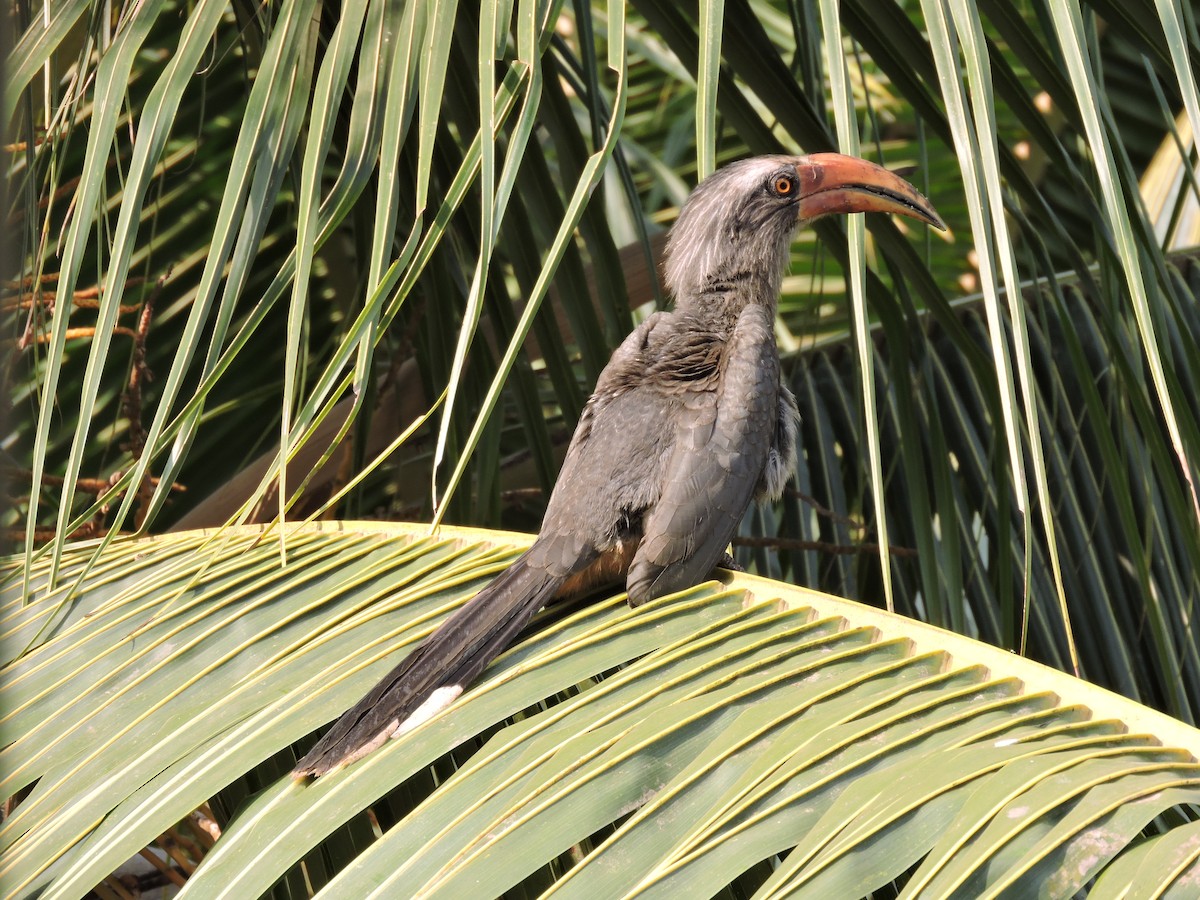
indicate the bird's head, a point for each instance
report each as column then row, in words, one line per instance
column 734, row 231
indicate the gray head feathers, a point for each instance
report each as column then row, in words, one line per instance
column 733, row 228
column 730, row 245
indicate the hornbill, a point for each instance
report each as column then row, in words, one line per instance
column 688, row 423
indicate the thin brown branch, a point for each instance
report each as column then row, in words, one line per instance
column 67, row 189
column 168, row 871
column 170, row 844
column 824, row 510
column 131, row 400
column 115, row 887
column 520, row 495
column 27, row 281
column 780, row 543
column 72, row 334
column 40, row 535
column 88, row 298
column 87, row 485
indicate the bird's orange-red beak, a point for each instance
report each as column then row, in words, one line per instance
column 833, row 183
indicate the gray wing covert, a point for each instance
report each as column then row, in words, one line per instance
column 613, row 466
column 722, row 441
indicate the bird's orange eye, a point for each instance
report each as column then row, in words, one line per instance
column 784, row 185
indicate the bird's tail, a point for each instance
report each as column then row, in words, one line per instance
column 430, row 677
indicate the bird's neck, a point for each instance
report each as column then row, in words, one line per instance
column 724, row 294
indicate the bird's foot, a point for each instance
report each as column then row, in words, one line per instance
column 728, row 562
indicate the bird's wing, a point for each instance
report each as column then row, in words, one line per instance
column 612, row 469
column 722, row 439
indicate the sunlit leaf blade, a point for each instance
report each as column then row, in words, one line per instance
column 848, row 140
column 736, row 722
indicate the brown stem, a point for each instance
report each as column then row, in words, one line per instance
column 780, row 543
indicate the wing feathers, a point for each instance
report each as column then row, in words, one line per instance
column 723, row 440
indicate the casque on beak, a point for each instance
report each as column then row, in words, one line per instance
column 833, row 183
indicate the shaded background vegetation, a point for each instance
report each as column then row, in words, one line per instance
column 171, row 168
column 207, row 273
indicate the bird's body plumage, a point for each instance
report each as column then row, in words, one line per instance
column 689, row 422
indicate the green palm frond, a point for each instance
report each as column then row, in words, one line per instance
column 672, row 749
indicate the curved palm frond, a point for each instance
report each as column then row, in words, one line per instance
column 664, row 750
